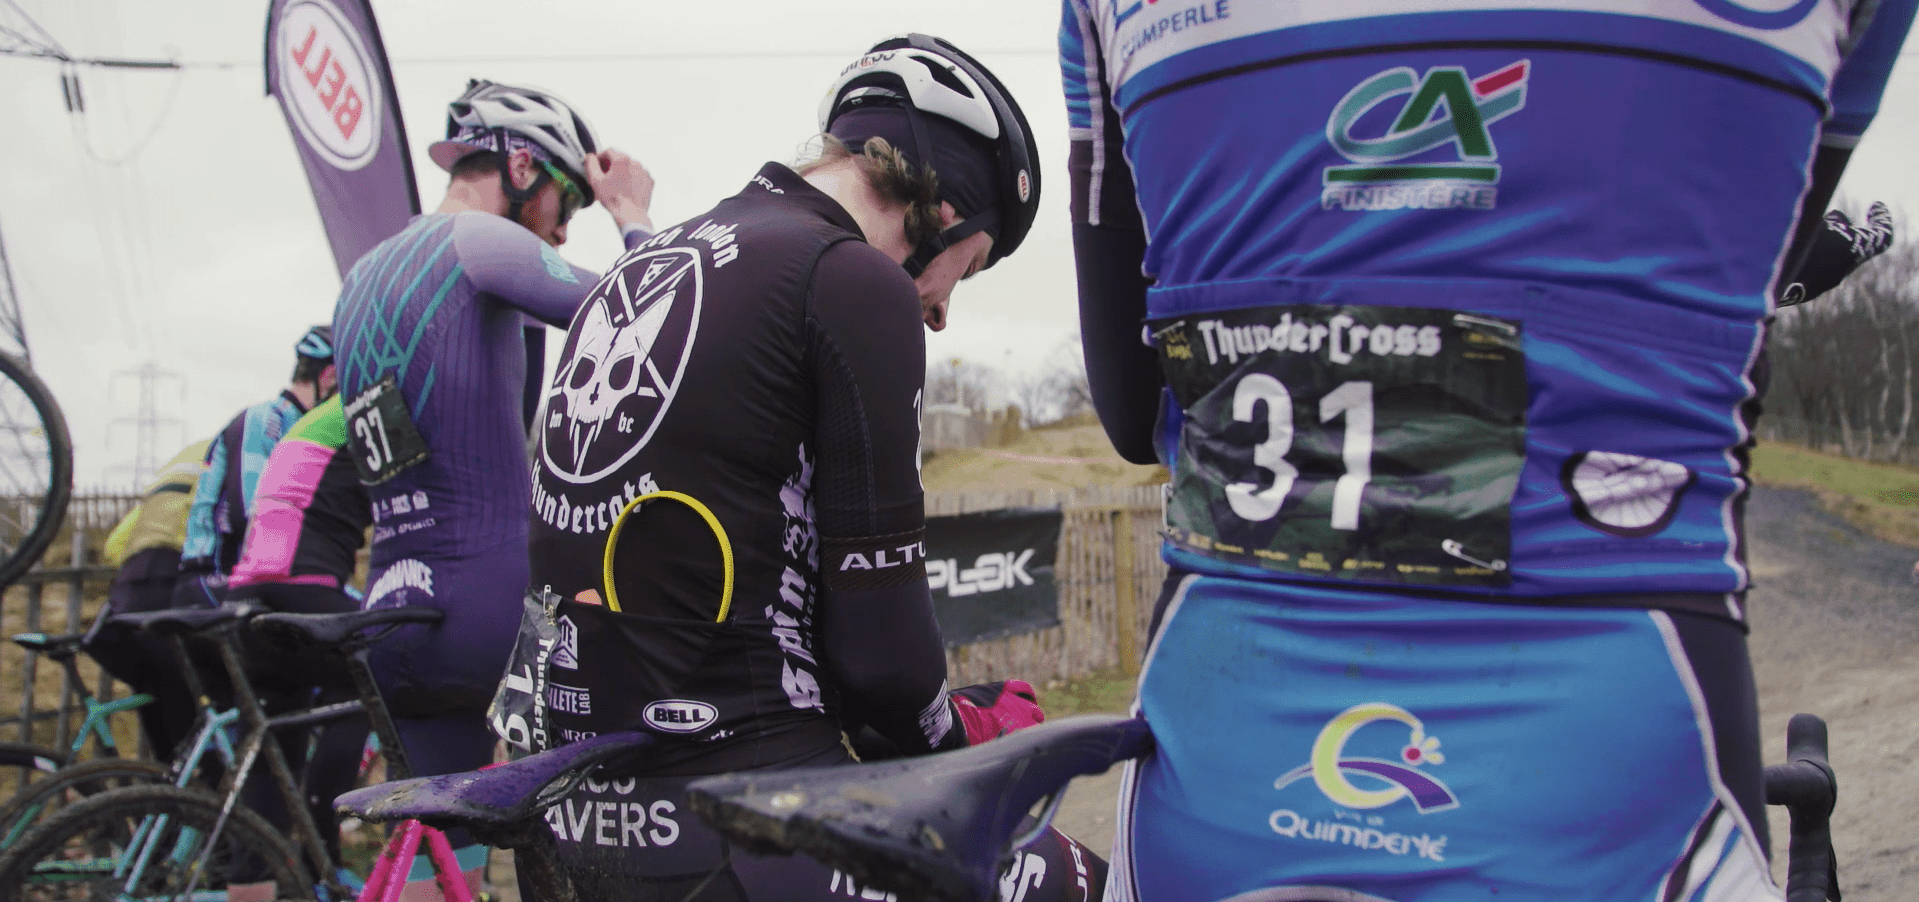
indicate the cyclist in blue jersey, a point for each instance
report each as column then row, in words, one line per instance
column 791, row 313
column 1445, row 317
column 432, row 368
column 217, row 520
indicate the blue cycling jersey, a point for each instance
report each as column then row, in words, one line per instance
column 223, row 499
column 1458, row 296
column 1454, row 302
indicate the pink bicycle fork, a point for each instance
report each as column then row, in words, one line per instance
column 396, row 862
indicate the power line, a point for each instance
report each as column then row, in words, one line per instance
column 41, row 44
column 659, row 56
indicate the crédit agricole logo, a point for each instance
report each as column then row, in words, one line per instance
column 1444, row 107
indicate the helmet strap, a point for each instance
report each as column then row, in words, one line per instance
column 517, row 198
column 924, row 255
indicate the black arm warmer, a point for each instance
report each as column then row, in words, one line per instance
column 1122, row 372
column 879, row 640
column 1828, row 164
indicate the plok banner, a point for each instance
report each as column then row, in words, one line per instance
column 992, row 573
column 327, row 67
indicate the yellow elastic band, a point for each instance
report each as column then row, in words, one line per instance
column 726, row 547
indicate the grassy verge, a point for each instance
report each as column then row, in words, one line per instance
column 1881, row 499
column 1105, row 692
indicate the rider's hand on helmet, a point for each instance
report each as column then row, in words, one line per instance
column 623, row 185
column 991, row 710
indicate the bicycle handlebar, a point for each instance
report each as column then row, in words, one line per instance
column 1807, row 786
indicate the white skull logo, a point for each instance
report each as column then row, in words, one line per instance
column 608, row 361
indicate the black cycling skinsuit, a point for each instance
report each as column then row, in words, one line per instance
column 766, row 361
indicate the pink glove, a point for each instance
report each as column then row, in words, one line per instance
column 991, row 710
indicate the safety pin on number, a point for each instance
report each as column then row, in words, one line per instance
column 1459, row 551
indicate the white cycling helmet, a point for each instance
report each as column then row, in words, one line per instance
column 489, row 116
column 925, row 74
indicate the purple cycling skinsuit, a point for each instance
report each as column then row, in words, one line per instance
column 432, row 365
column 1446, row 318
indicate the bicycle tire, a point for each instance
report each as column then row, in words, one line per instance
column 72, row 855
column 40, row 800
column 36, row 468
column 22, row 763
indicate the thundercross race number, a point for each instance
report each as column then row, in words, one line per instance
column 1374, row 444
column 381, row 434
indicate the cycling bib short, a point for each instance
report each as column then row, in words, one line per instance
column 1425, row 749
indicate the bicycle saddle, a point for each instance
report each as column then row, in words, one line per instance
column 51, row 646
column 186, row 620
column 339, row 629
column 499, row 796
column 935, row 827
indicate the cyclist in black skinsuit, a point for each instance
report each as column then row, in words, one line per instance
column 766, row 358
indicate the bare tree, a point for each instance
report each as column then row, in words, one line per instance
column 1058, row 389
column 953, row 380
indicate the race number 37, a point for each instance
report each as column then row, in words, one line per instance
column 381, row 434
column 1347, row 441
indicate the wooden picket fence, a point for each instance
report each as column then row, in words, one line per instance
column 60, row 595
column 1109, row 575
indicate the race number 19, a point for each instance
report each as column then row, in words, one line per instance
column 381, row 434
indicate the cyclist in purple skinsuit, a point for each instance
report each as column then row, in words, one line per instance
column 432, row 367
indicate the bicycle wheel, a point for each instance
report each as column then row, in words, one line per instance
column 36, row 468
column 144, row 842
column 40, row 800
column 21, row 763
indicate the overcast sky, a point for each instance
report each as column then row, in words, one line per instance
column 172, row 223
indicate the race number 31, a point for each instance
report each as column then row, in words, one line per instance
column 1347, row 441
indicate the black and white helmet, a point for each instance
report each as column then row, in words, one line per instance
column 489, row 117
column 926, row 74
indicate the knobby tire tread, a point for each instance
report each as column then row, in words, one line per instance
column 59, row 470
column 85, row 779
column 112, row 813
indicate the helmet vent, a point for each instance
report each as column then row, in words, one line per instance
column 944, row 76
column 511, row 103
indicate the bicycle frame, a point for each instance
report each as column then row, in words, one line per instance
column 390, row 872
column 192, row 851
column 96, row 723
